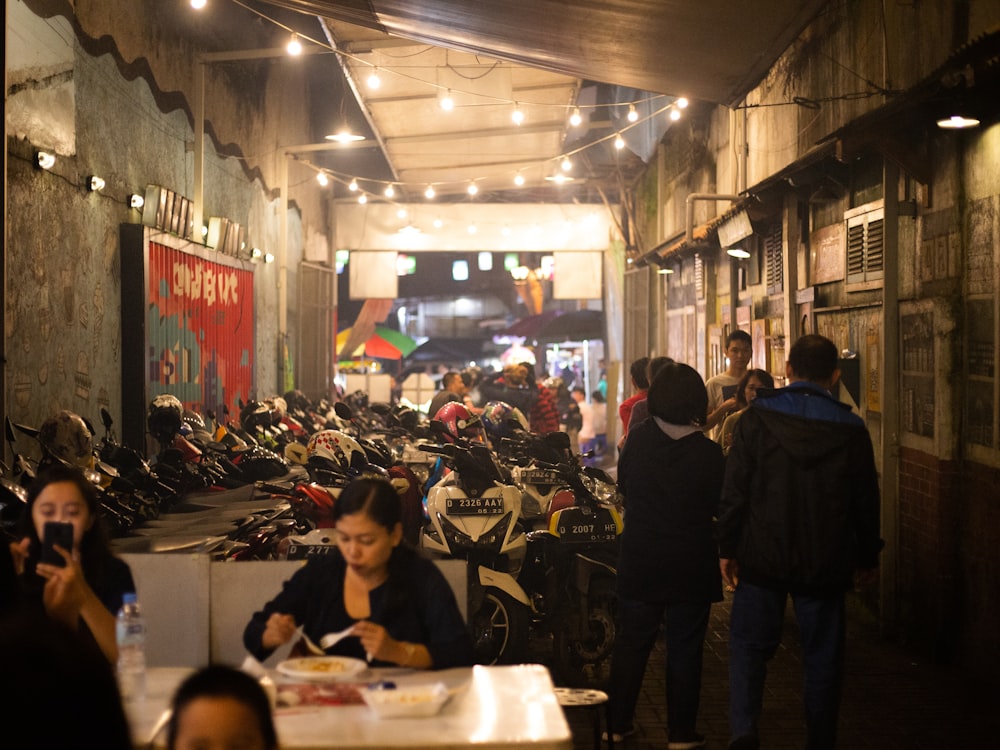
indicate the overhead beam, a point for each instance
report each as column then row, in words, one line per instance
column 542, row 127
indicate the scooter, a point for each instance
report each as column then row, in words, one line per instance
column 472, row 515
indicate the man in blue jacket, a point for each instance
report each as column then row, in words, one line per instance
column 798, row 517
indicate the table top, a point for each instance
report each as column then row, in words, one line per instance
column 491, row 708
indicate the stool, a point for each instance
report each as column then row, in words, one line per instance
column 589, row 700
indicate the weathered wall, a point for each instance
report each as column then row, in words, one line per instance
column 107, row 88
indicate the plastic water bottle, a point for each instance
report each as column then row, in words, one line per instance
column 131, row 634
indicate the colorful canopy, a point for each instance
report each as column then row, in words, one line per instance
column 385, row 343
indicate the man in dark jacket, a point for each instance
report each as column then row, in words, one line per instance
column 799, row 517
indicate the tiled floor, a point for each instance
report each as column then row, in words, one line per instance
column 892, row 700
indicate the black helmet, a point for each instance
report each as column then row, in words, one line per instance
column 65, row 436
column 254, row 416
column 164, row 418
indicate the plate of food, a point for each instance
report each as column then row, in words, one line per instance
column 322, row 668
column 406, row 700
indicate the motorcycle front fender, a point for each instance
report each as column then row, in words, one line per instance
column 586, row 568
column 503, row 581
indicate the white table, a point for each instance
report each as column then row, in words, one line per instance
column 496, row 708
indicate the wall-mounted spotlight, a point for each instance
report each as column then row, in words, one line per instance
column 737, row 252
column 269, row 257
column 44, row 160
column 94, row 183
column 136, row 201
column 256, row 253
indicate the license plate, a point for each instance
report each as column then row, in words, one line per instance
column 540, row 476
column 573, row 525
column 474, row 506
column 302, row 551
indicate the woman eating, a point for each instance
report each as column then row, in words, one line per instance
column 398, row 605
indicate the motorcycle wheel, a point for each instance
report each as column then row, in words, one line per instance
column 586, row 662
column 499, row 629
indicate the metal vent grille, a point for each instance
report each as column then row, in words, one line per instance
column 774, row 259
column 866, row 247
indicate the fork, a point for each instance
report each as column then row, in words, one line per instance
column 330, row 639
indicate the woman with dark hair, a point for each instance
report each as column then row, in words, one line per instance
column 401, row 607
column 85, row 591
column 671, row 475
column 746, row 392
column 219, row 706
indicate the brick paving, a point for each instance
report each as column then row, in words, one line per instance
column 893, row 700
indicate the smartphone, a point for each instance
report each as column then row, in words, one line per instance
column 56, row 533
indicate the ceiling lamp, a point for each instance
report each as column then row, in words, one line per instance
column 373, row 80
column 559, row 178
column 737, row 252
column 322, row 179
column 519, row 179
column 294, row 47
column 473, row 188
column 345, row 136
column 198, row 4
column 429, row 192
column 575, row 119
column 958, row 122
column 632, row 114
column 44, row 160
column 94, row 183
column 517, row 116
column 446, row 102
column 389, row 191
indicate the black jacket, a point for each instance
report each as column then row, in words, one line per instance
column 800, row 503
column 671, row 488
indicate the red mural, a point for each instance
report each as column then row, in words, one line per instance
column 200, row 329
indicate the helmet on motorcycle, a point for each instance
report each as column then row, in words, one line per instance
column 196, row 422
column 496, row 419
column 279, row 407
column 337, row 447
column 460, row 422
column 164, row 417
column 554, row 383
column 254, row 416
column 66, row 437
column 297, row 401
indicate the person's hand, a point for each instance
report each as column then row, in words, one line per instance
column 864, row 578
column 279, row 629
column 375, row 640
column 730, row 570
column 19, row 554
column 728, row 405
column 65, row 589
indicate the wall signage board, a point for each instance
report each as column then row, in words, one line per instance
column 187, row 327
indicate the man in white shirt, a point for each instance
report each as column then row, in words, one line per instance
column 722, row 387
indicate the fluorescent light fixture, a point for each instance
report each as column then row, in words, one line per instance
column 485, row 261
column 738, row 252
column 44, row 160
column 345, row 136
column 460, row 270
column 665, row 270
column 511, row 261
column 94, row 183
column 136, row 201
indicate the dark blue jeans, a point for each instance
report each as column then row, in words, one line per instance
column 637, row 628
column 755, row 631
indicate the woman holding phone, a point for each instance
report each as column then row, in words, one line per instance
column 75, row 578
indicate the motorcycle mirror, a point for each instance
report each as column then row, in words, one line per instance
column 29, row 431
column 381, row 408
column 558, row 440
column 342, row 410
column 106, row 418
column 8, row 427
column 89, row 425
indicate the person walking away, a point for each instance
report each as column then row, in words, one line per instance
column 452, row 389
column 599, row 415
column 586, row 434
column 640, row 384
column 722, row 387
column 799, row 518
column 544, row 416
column 670, row 474
column 640, row 411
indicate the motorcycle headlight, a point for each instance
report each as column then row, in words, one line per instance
column 602, row 491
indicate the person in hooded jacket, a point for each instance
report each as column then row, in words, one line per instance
column 670, row 474
column 799, row 518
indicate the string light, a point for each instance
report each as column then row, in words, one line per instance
column 198, row 4
column 575, row 119
column 322, row 179
column 517, row 115
column 353, row 187
column 294, row 47
column 619, row 142
column 389, row 191
column 632, row 114
column 675, row 114
column 566, row 164
column 429, row 192
column 473, row 188
column 362, row 199
column 447, row 103
column 373, row 80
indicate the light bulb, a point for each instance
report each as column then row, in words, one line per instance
column 373, row 80
column 401, row 213
column 505, row 231
column 389, row 191
column 473, row 188
column 632, row 114
column 44, row 160
column 362, row 199
column 95, row 183
column 447, row 103
column 566, row 165
column 472, row 229
column 517, row 115
column 294, row 47
column 353, row 187
column 322, row 179
column 575, row 119
column 429, row 192
column 269, row 257
column 136, row 201
column 619, row 142
column 519, row 179
column 198, row 4
column 675, row 114
column 438, row 223
column 256, row 253
column 681, row 103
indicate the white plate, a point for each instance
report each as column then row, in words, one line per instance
column 406, row 700
column 322, row 668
